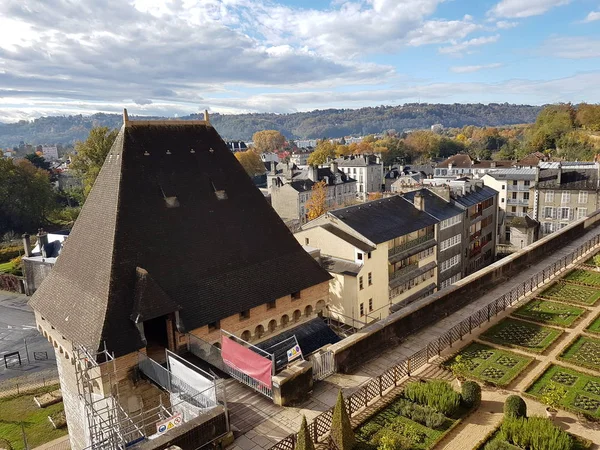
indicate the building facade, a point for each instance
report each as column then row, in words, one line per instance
column 366, row 170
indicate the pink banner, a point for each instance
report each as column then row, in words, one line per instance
column 245, row 360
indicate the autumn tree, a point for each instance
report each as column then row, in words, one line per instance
column 588, row 116
column 324, row 151
column 90, row 155
column 316, row 205
column 251, row 162
column 423, row 144
column 268, row 141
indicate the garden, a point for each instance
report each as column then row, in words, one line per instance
column 21, row 409
column 581, row 392
column 550, row 313
column 527, row 336
column 572, row 293
column 584, row 351
column 488, row 364
column 587, row 277
column 517, row 431
column 419, row 417
column 594, row 327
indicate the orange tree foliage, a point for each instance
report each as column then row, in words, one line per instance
column 268, row 141
column 316, row 205
column 251, row 162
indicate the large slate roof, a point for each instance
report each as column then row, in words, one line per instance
column 584, row 179
column 155, row 229
column 478, row 195
column 382, row 220
column 434, row 204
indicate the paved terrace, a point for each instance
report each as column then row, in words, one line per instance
column 258, row 424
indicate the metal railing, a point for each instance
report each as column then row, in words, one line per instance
column 379, row 386
column 403, row 271
column 517, row 201
column 518, row 188
column 410, row 244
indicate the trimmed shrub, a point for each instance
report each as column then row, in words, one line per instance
column 8, row 253
column 391, row 440
column 5, row 445
column 497, row 444
column 367, row 431
column 535, row 433
column 515, row 407
column 470, row 393
column 437, row 394
column 425, row 415
column 341, row 428
column 304, row 441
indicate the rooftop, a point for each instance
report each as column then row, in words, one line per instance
column 172, row 222
column 474, row 196
column 513, row 174
column 434, row 204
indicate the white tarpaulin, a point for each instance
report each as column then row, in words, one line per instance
column 202, row 384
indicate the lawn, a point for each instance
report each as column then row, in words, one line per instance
column 22, row 409
column 588, row 277
column 527, row 336
column 583, row 391
column 594, row 327
column 549, row 313
column 584, row 351
column 572, row 293
column 485, row 363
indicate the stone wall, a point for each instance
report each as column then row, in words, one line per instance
column 359, row 348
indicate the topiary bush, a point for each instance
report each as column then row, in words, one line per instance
column 515, row 407
column 497, row 444
column 341, row 428
column 470, row 394
column 303, row 440
column 535, row 433
column 425, row 415
column 8, row 253
column 392, row 440
column 437, row 394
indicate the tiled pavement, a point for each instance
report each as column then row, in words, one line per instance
column 271, row 423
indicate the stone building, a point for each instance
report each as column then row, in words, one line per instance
column 173, row 241
column 367, row 170
column 462, row 165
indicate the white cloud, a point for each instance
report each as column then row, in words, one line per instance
column 471, row 69
column 465, row 46
column 575, row 47
column 505, row 25
column 524, row 8
column 592, row 17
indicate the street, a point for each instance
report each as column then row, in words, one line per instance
column 19, row 334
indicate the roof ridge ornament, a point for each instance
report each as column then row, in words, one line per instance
column 125, row 117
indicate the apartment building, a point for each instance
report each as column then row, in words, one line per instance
column 462, row 165
column 367, row 170
column 292, row 188
column 451, row 235
column 564, row 192
column 381, row 255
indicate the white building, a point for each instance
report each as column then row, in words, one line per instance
column 50, row 153
column 366, row 170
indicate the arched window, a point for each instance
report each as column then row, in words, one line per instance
column 259, row 331
column 285, row 319
column 297, row 315
column 272, row 325
column 246, row 335
column 308, row 311
column 320, row 307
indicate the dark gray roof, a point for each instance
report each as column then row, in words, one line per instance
column 435, row 205
column 385, row 219
column 173, row 200
column 583, row 179
column 361, row 245
column 149, row 300
column 340, row 266
column 521, row 222
column 477, row 195
column 513, row 174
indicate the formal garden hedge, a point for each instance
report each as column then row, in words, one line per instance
column 594, row 327
column 548, row 312
column 572, row 293
column 526, row 336
column 587, row 277
column 583, row 351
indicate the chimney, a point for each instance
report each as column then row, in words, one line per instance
column 313, row 173
column 493, row 165
column 537, row 175
column 419, row 201
column 558, row 175
column 27, row 244
column 42, row 241
column 334, row 167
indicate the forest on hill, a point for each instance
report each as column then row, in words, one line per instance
column 330, row 123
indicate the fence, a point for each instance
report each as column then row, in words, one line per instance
column 377, row 387
column 28, row 383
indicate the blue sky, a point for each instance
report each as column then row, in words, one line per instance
column 175, row 57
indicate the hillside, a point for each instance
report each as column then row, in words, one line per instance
column 304, row 125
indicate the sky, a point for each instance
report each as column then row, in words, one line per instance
column 177, row 57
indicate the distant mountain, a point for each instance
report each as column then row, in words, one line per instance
column 304, row 125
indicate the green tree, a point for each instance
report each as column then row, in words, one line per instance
column 551, row 124
column 90, row 155
column 38, row 161
column 588, row 116
column 251, row 162
column 304, row 441
column 268, row 141
column 341, row 428
column 26, row 196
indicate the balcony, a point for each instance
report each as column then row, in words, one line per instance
column 411, row 245
column 403, row 271
column 515, row 201
column 518, row 188
column 475, row 215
